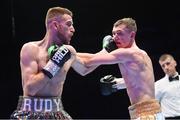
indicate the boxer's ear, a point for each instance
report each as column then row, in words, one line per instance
column 55, row 25
column 133, row 34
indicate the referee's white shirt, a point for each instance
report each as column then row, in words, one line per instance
column 168, row 94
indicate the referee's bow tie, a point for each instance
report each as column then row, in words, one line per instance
column 173, row 78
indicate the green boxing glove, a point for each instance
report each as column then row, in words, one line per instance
column 58, row 56
column 109, row 44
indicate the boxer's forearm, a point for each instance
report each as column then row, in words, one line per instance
column 80, row 66
column 85, row 55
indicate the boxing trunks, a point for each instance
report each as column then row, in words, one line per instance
column 146, row 110
column 40, row 108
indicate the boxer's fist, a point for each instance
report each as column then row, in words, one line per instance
column 58, row 56
column 109, row 44
column 110, row 84
column 106, row 84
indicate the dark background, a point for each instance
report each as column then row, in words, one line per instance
column 23, row 21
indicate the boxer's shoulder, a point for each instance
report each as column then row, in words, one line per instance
column 71, row 49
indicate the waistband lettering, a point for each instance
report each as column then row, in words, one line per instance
column 48, row 105
column 41, row 104
column 57, row 103
column 27, row 104
column 36, row 105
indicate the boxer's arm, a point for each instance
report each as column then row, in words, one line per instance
column 33, row 80
column 87, row 56
column 79, row 63
column 119, row 55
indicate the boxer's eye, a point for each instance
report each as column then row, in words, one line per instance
column 69, row 23
column 119, row 33
column 168, row 63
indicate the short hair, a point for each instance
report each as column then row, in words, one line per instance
column 165, row 56
column 55, row 12
column 129, row 22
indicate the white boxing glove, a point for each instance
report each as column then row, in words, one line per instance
column 120, row 83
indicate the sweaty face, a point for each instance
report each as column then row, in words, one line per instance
column 66, row 29
column 168, row 66
column 122, row 37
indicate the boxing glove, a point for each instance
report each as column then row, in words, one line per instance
column 106, row 83
column 58, row 56
column 109, row 44
column 110, row 84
